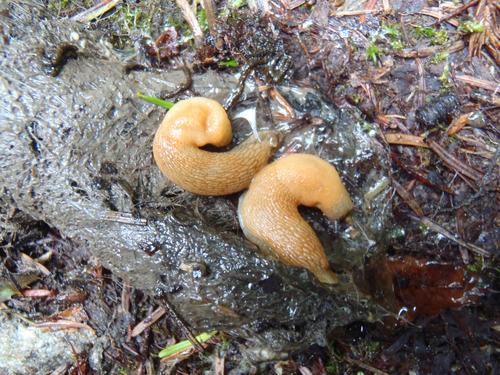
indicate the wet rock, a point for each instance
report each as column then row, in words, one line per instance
column 26, row 349
column 76, row 153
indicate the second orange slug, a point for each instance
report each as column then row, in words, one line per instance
column 269, row 216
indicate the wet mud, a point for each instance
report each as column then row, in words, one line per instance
column 76, row 154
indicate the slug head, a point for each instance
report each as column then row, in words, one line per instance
column 319, row 184
column 197, row 121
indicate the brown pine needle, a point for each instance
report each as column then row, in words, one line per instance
column 453, row 163
column 481, row 83
column 148, row 321
column 458, row 124
column 408, row 198
column 405, row 139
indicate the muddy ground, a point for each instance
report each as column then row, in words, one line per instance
column 104, row 263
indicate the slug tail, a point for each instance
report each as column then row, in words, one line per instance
column 327, row 277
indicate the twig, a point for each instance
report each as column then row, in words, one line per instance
column 233, row 97
column 439, row 229
column 481, row 83
column 460, row 218
column 457, row 11
column 458, row 123
column 186, row 85
column 209, row 7
column 409, row 200
column 276, row 95
column 431, row 12
column 148, row 321
column 125, row 218
column 405, row 139
column 349, row 13
column 455, row 164
column 422, row 89
column 63, row 324
column 190, row 18
column 125, row 296
column 428, row 51
column 219, row 364
column 364, row 366
column 370, row 4
column 419, row 175
column 291, row 5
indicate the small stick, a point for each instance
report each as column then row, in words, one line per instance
column 190, row 18
column 96, row 11
column 364, row 366
column 428, row 51
column 453, row 163
column 481, row 83
column 457, row 11
column 349, row 13
column 405, row 139
column 439, row 229
column 148, row 321
column 458, row 124
column 459, row 218
column 409, row 200
column 370, row 4
column 209, row 7
column 276, row 95
column 125, row 296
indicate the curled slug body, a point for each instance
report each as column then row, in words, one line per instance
column 194, row 123
column 269, row 216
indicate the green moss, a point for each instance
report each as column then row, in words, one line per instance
column 372, row 52
column 440, row 38
column 201, row 15
column 425, row 32
column 440, row 57
column 444, row 77
column 367, row 127
column 436, row 37
column 477, row 266
column 391, row 31
column 332, row 368
column 471, row 27
column 236, row 4
column 134, row 18
column 397, row 45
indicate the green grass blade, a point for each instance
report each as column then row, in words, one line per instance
column 183, row 345
column 157, row 101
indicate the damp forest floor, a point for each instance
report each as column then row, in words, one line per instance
column 424, row 75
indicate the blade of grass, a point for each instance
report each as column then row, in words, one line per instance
column 157, row 101
column 183, row 345
column 96, row 11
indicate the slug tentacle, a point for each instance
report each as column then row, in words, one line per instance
column 269, row 216
column 194, row 123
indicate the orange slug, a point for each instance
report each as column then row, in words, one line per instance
column 197, row 122
column 269, row 216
